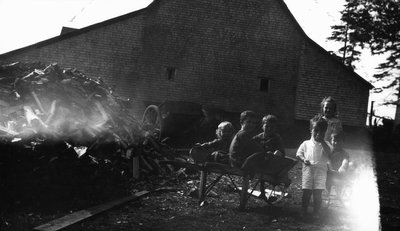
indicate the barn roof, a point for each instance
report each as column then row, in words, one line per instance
column 74, row 32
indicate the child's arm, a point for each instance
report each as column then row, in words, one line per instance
column 345, row 163
column 344, row 166
column 330, row 167
column 327, row 149
column 300, row 154
column 208, row 146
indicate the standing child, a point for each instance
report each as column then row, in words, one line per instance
column 216, row 150
column 339, row 163
column 329, row 112
column 243, row 145
column 269, row 138
column 314, row 153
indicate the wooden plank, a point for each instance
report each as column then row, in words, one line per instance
column 75, row 217
column 38, row 101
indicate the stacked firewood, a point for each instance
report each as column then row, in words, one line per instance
column 54, row 121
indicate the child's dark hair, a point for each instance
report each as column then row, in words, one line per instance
column 270, row 119
column 331, row 100
column 247, row 114
column 319, row 122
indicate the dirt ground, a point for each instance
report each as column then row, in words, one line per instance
column 178, row 209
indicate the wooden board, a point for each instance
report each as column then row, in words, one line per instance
column 75, row 217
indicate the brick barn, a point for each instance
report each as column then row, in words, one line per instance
column 229, row 55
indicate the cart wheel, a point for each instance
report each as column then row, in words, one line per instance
column 151, row 121
column 275, row 193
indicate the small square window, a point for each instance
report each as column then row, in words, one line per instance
column 171, row 72
column 264, row 85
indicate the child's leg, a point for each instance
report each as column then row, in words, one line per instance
column 305, row 200
column 317, row 199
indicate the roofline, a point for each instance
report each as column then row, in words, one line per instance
column 79, row 31
column 151, row 5
column 333, row 58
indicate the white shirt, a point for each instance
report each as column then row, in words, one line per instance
column 313, row 151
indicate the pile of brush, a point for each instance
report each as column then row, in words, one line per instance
column 61, row 130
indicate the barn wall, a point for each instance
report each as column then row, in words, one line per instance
column 218, row 52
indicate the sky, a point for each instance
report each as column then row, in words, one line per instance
column 25, row 22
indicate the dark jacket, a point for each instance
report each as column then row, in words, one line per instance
column 243, row 145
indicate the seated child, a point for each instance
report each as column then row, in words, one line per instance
column 243, row 145
column 338, row 166
column 269, row 138
column 216, row 150
column 271, row 141
column 314, row 153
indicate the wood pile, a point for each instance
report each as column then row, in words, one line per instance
column 62, row 104
column 60, row 127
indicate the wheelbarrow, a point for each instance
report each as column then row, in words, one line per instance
column 272, row 175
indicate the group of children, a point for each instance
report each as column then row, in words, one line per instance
column 234, row 149
column 323, row 158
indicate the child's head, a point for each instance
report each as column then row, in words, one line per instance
column 318, row 126
column 337, row 139
column 248, row 120
column 224, row 131
column 269, row 124
column 328, row 107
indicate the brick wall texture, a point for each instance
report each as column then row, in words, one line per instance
column 220, row 49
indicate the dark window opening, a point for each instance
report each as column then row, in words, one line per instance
column 171, row 72
column 264, row 85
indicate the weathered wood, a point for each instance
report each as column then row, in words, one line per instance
column 244, row 193
column 78, row 216
column 11, row 109
column 4, row 129
column 275, row 175
column 135, row 167
column 39, row 103
column 203, row 185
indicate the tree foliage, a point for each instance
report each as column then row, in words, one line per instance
column 373, row 25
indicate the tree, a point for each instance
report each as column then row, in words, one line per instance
column 373, row 25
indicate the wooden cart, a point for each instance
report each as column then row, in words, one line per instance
column 273, row 177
